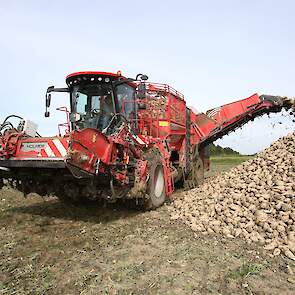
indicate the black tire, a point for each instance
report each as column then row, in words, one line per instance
column 156, row 190
column 196, row 175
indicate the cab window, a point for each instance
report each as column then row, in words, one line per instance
column 81, row 102
column 125, row 97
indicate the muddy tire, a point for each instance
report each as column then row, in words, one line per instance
column 196, row 175
column 156, row 190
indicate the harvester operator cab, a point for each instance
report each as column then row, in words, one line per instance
column 99, row 100
column 92, row 106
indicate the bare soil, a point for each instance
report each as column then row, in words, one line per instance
column 47, row 247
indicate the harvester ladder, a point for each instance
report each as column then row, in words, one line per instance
column 169, row 183
column 188, row 141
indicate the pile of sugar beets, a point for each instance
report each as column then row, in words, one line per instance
column 254, row 201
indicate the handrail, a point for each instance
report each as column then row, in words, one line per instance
column 66, row 125
column 151, row 86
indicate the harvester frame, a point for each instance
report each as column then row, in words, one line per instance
column 125, row 138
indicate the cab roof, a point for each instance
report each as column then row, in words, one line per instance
column 93, row 73
column 92, row 76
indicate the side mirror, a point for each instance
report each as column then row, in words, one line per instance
column 48, row 100
column 48, row 97
column 141, row 77
column 47, row 104
column 144, row 77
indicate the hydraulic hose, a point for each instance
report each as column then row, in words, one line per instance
column 8, row 125
column 12, row 116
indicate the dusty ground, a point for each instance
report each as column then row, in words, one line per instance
column 49, row 248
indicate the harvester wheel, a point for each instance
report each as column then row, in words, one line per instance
column 196, row 175
column 156, row 184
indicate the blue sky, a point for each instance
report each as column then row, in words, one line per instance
column 212, row 51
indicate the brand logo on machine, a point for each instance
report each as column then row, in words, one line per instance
column 33, row 146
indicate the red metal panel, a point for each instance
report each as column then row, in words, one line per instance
column 87, row 147
column 43, row 147
column 234, row 109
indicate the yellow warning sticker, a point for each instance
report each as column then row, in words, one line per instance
column 163, row 123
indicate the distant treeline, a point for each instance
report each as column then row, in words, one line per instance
column 217, row 150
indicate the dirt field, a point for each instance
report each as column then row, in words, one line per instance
column 49, row 248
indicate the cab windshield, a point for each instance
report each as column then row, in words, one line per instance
column 95, row 105
column 125, row 96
